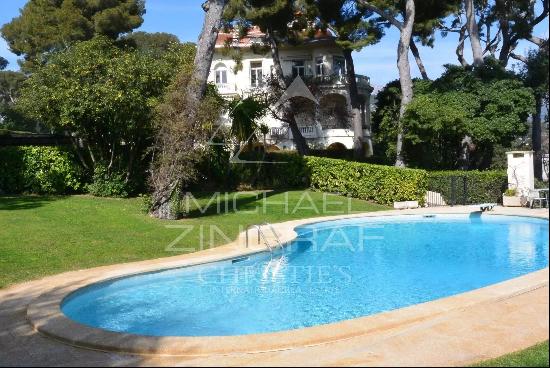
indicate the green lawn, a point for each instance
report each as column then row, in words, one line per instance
column 42, row 236
column 535, row 356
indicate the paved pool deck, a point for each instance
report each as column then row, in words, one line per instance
column 458, row 330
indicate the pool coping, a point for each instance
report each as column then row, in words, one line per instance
column 46, row 317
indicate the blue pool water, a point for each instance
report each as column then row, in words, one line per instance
column 334, row 271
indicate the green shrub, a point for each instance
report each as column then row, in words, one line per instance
column 108, row 184
column 481, row 186
column 539, row 184
column 512, row 192
column 41, row 170
column 214, row 169
column 381, row 184
column 12, row 169
column 280, row 170
column 146, row 203
column 377, row 183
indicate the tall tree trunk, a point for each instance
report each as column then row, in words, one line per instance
column 288, row 107
column 205, row 53
column 536, row 136
column 405, row 78
column 419, row 62
column 460, row 47
column 473, row 31
column 163, row 193
column 357, row 117
column 464, row 159
column 506, row 48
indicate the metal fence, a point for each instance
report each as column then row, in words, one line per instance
column 453, row 192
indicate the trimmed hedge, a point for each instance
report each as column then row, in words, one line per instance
column 41, row 170
column 51, row 170
column 482, row 186
column 381, row 184
column 283, row 170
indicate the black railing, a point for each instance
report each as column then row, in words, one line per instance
column 457, row 196
column 451, row 192
column 465, row 189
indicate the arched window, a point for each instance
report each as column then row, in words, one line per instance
column 221, row 74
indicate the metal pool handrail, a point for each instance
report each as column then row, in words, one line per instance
column 262, row 235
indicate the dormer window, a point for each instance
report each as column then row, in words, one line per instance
column 319, row 66
column 256, row 74
column 299, row 68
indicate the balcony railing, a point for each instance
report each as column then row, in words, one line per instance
column 362, row 80
column 336, row 79
column 308, row 131
column 279, row 132
column 226, row 88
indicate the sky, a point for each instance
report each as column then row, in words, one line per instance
column 184, row 19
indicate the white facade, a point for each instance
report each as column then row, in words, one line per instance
column 320, row 59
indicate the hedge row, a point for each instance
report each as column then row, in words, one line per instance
column 482, row 186
column 42, row 170
column 381, row 184
column 51, row 170
column 279, row 170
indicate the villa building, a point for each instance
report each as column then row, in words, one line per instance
column 318, row 58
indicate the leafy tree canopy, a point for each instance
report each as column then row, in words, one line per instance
column 44, row 26
column 103, row 95
column 154, row 43
column 349, row 22
column 535, row 71
column 429, row 15
column 274, row 16
column 490, row 106
column 10, row 85
column 3, row 63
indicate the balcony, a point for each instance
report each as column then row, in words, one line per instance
column 278, row 132
column 226, row 88
column 362, row 81
column 337, row 80
column 308, row 131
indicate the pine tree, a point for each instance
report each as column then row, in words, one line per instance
column 44, row 26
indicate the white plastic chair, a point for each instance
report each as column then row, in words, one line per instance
column 535, row 197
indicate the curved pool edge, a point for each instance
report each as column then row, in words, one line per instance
column 46, row 317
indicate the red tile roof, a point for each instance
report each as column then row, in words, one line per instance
column 255, row 33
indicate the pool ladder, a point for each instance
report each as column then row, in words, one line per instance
column 261, row 236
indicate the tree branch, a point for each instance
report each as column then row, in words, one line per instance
column 536, row 40
column 518, row 57
column 418, row 60
column 390, row 18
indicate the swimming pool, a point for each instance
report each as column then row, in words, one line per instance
column 333, row 271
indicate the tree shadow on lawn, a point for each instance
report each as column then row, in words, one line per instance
column 242, row 201
column 13, row 203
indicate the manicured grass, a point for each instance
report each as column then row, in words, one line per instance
column 535, row 356
column 41, row 236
